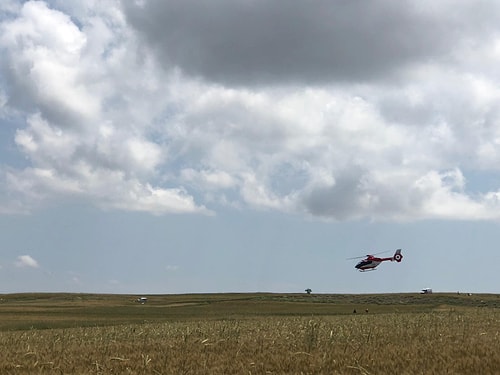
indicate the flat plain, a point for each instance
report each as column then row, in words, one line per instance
column 250, row 333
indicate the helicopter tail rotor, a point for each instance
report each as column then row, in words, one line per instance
column 398, row 257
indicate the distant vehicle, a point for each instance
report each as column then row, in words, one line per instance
column 142, row 300
column 371, row 261
column 426, row 291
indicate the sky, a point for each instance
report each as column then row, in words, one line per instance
column 157, row 147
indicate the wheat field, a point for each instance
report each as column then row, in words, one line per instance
column 442, row 340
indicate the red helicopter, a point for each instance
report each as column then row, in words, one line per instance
column 371, row 261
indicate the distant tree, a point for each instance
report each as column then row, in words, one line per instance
column 308, row 291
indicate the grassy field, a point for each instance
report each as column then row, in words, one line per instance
column 250, row 334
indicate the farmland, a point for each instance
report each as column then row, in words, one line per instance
column 261, row 333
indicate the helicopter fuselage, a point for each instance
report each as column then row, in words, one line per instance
column 371, row 262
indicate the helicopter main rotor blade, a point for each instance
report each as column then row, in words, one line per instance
column 364, row 256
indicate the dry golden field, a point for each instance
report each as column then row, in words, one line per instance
column 250, row 334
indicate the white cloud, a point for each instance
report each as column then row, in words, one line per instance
column 26, row 261
column 43, row 49
column 87, row 128
column 109, row 119
column 209, row 181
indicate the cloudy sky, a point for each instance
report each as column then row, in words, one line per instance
column 216, row 146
